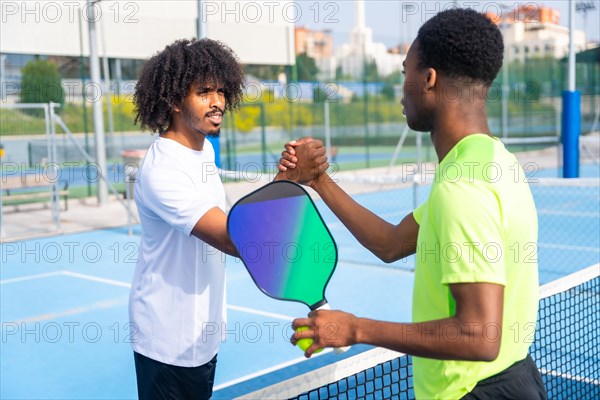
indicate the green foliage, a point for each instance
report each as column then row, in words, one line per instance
column 22, row 122
column 532, row 91
column 371, row 74
column 320, row 95
column 278, row 113
column 41, row 83
column 387, row 91
column 395, row 78
column 307, row 68
column 534, row 88
column 356, row 98
column 247, row 118
column 339, row 73
column 288, row 114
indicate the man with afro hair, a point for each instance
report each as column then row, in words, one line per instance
column 475, row 296
column 177, row 297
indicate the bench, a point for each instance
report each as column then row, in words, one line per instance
column 24, row 189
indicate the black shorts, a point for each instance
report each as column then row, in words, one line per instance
column 521, row 381
column 156, row 380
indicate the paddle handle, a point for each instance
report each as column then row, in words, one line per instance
column 336, row 350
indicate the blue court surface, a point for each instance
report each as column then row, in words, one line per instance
column 65, row 331
column 63, row 303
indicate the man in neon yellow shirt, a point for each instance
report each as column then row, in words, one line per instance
column 476, row 281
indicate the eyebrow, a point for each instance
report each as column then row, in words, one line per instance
column 209, row 87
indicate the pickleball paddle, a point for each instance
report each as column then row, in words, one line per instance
column 284, row 243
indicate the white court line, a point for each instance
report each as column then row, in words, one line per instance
column 258, row 312
column 567, row 247
column 270, row 369
column 569, row 376
column 128, row 285
column 97, row 279
column 230, row 306
column 585, row 214
column 30, row 277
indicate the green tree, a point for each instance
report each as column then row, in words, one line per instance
column 532, row 91
column 387, row 91
column 41, row 83
column 371, row 74
column 394, row 78
column 341, row 76
column 307, row 68
column 320, row 95
column 339, row 73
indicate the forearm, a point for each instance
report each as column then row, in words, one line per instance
column 354, row 216
column 212, row 230
column 219, row 242
column 445, row 339
column 227, row 247
column 373, row 232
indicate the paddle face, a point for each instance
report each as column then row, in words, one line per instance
column 283, row 242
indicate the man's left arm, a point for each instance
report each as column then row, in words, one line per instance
column 473, row 333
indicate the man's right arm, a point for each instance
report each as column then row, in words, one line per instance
column 387, row 241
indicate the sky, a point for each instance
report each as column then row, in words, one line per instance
column 391, row 23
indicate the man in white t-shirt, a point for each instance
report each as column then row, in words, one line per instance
column 177, row 296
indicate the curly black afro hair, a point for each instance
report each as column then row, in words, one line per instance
column 461, row 43
column 167, row 77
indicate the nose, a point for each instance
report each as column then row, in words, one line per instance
column 217, row 99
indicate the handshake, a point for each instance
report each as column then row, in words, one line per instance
column 303, row 161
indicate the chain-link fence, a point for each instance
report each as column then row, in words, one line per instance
column 348, row 96
column 50, row 168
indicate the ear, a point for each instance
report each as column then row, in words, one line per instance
column 431, row 79
column 176, row 108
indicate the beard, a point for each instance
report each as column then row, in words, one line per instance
column 199, row 124
column 213, row 133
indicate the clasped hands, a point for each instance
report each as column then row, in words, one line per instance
column 303, row 161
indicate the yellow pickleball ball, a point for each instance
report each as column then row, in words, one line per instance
column 305, row 343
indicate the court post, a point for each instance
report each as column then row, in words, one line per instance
column 93, row 19
column 216, row 143
column 571, row 120
column 1, row 211
column 571, row 129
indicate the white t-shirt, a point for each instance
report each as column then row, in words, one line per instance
column 177, row 297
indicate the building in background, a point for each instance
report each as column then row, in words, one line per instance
column 315, row 44
column 533, row 31
column 354, row 56
column 349, row 59
column 130, row 32
column 319, row 46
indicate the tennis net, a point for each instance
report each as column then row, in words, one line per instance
column 565, row 349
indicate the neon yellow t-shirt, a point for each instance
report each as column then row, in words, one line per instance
column 479, row 224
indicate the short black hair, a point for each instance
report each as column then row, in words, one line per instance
column 167, row 77
column 461, row 43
